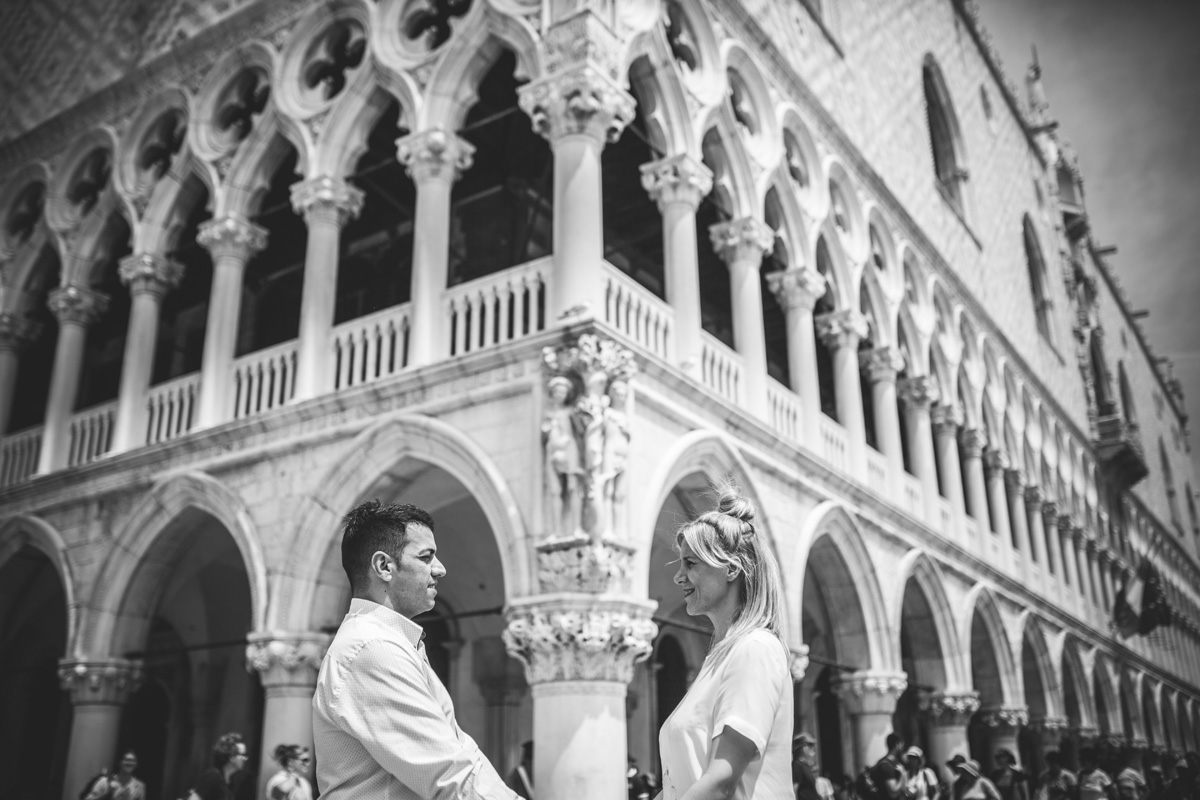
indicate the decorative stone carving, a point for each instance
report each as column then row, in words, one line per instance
column 1014, row 480
column 676, row 179
column 232, row 237
column 1033, row 498
column 845, row 328
column 584, row 566
column 286, row 660
column 947, row 418
column 974, row 441
column 798, row 664
column 583, row 39
column 871, row 692
column 17, row 331
column 951, row 708
column 881, row 364
column 75, row 305
column 995, row 461
column 919, row 392
column 744, row 239
column 578, row 102
column 147, row 273
column 1005, row 717
column 107, row 682
column 435, row 154
column 327, row 199
column 568, row 641
column 585, row 436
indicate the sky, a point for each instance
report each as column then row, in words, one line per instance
column 1123, row 80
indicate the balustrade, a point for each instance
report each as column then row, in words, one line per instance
column 834, row 445
column 171, row 408
column 19, row 455
column 634, row 311
column 91, row 433
column 914, row 496
column 369, row 348
column 720, row 368
column 785, row 410
column 877, row 472
column 264, row 380
column 497, row 308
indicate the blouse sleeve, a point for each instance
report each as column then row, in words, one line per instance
column 751, row 687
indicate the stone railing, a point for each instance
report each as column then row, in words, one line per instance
column 264, row 379
column 91, row 433
column 171, row 408
column 497, row 308
column 721, row 368
column 19, row 455
column 369, row 348
column 634, row 311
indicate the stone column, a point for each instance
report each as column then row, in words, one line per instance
column 287, row 664
column 75, row 308
column 973, row 443
column 870, row 700
column 741, row 244
column 798, row 291
column 98, row 690
column 678, row 184
column 578, row 106
column 149, row 278
column 1106, row 563
column 435, row 159
column 1050, row 732
column 1070, row 559
column 881, row 366
column 1037, row 532
column 327, row 204
column 1089, row 550
column 16, row 332
column 1003, row 724
column 1050, row 525
column 947, row 418
column 949, row 713
column 995, row 462
column 579, row 652
column 1014, row 481
column 918, row 394
column 232, row 241
column 841, row 331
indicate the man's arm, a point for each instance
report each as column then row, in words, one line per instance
column 387, row 705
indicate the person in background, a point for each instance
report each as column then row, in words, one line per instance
column 1094, row 783
column 804, row 766
column 922, row 781
column 637, row 783
column 1056, row 782
column 520, row 780
column 1009, row 779
column 228, row 758
column 1131, row 785
column 970, row 784
column 291, row 781
column 1156, row 787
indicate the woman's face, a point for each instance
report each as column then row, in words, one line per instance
column 300, row 763
column 128, row 762
column 706, row 590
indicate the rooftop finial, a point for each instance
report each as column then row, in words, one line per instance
column 1038, row 105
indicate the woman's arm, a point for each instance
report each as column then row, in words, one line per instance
column 732, row 753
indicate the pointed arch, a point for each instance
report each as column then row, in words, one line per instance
column 1033, row 636
column 917, row 566
column 26, row 530
column 1081, row 684
column 981, row 601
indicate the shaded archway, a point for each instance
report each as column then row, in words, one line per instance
column 992, row 675
column 927, row 639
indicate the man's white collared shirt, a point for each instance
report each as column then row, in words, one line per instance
column 383, row 723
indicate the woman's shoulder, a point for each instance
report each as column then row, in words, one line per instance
column 759, row 646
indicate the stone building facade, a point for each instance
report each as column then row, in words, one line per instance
column 551, row 269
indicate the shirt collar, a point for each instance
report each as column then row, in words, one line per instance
column 410, row 630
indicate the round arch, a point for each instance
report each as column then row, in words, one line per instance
column 375, row 450
column 164, row 502
column 25, row 530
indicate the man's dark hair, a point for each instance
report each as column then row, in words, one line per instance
column 1053, row 758
column 894, row 740
column 225, row 749
column 372, row 527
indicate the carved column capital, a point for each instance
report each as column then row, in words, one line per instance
column 1033, row 498
column 798, row 664
column 75, row 305
column 951, row 708
column 286, row 660
column 435, row 154
column 327, row 199
column 1087, row 735
column 677, row 179
column 995, row 461
column 1005, row 717
column 1065, row 524
column 1014, row 479
column 17, row 331
column 745, row 239
column 149, row 273
column 1050, row 730
column 845, row 328
column 947, row 418
column 881, row 363
column 566, row 638
column 918, row 392
column 582, row 566
column 797, row 288
column 871, row 692
column 580, row 100
column 100, row 681
column 232, row 237
column 1049, row 514
column 974, row 441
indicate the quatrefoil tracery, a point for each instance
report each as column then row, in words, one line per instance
column 163, row 140
column 341, row 52
column 681, row 39
column 25, row 213
column 89, row 181
column 246, row 98
column 431, row 23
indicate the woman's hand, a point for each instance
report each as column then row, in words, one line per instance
column 732, row 753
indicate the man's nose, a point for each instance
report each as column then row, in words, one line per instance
column 438, row 569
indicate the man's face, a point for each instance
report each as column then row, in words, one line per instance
column 238, row 760
column 413, row 587
column 808, row 753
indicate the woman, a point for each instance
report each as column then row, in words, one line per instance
column 1010, row 780
column 731, row 735
column 121, row 785
column 969, row 784
column 290, row 782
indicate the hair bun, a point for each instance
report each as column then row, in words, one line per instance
column 281, row 751
column 732, row 503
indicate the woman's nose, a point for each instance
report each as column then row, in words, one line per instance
column 679, row 579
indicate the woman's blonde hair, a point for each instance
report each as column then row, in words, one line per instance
column 727, row 539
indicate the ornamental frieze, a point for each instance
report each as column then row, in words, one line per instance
column 580, row 642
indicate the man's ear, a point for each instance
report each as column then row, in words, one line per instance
column 381, row 565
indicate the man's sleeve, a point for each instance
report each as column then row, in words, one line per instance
column 386, row 704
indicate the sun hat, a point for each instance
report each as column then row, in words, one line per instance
column 914, row 752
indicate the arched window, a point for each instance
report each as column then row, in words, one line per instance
column 1037, row 279
column 948, row 162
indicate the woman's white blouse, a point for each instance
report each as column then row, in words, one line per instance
column 750, row 691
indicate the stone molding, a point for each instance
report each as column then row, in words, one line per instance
column 435, row 154
column 920, row 391
column 100, row 681
column 881, row 363
column 871, row 692
column 742, row 240
column 232, row 237
column 75, row 305
column 327, row 199
column 974, row 442
column 1050, row 724
column 573, row 638
column 583, row 566
column 150, row 273
column 1009, row 717
column 951, row 708
column 286, row 659
column 677, row 179
column 845, row 328
column 17, row 331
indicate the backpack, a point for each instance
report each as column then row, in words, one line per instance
column 90, row 785
column 864, row 786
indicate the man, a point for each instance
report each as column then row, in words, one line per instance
column 1056, row 782
column 1094, row 783
column 1009, row 779
column 228, row 758
column 804, row 766
column 383, row 723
